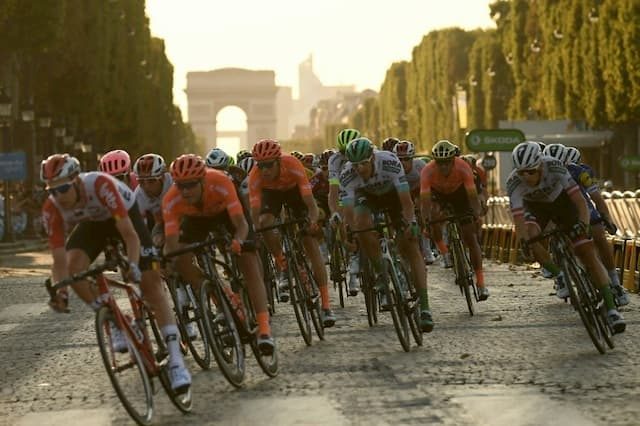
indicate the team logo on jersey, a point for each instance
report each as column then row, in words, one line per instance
column 347, row 177
column 108, row 195
column 392, row 166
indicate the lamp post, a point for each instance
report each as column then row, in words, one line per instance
column 44, row 124
column 58, row 133
column 28, row 116
column 6, row 118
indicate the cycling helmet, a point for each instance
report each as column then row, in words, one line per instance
column 149, row 166
column 345, row 136
column 231, row 161
column 389, row 143
column 266, row 149
column 217, row 159
column 298, row 155
column 188, row 167
column 542, row 146
column 324, row 157
column 526, row 155
column 308, row 160
column 241, row 155
column 359, row 149
column 404, row 149
column 555, row 150
column 573, row 155
column 443, row 150
column 59, row 166
column 115, row 162
column 247, row 164
column 470, row 159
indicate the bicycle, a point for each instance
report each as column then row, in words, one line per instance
column 584, row 296
column 304, row 293
column 269, row 273
column 402, row 296
column 338, row 264
column 461, row 263
column 366, row 276
column 141, row 358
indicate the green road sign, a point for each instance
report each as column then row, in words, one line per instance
column 630, row 163
column 483, row 140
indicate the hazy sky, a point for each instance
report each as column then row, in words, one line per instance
column 352, row 41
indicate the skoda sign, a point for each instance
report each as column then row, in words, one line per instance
column 484, row 140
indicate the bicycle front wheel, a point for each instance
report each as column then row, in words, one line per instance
column 126, row 370
column 411, row 305
column 398, row 313
column 366, row 278
column 299, row 302
column 463, row 273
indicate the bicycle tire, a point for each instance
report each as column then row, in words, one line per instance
column 398, row 314
column 601, row 310
column 199, row 348
column 270, row 281
column 461, row 269
column 582, row 303
column 366, row 284
column 411, row 306
column 313, row 302
column 139, row 405
column 338, row 272
column 268, row 363
column 220, row 327
column 299, row 303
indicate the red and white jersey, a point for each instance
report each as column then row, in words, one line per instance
column 104, row 197
column 153, row 205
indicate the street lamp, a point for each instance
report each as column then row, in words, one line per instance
column 5, row 116
column 28, row 116
column 5, row 105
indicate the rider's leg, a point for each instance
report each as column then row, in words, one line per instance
column 78, row 261
column 312, row 249
column 249, row 267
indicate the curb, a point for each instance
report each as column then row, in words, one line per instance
column 22, row 247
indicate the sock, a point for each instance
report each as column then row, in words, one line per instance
column 480, row 277
column 324, row 294
column 442, row 247
column 615, row 278
column 424, row 298
column 551, row 267
column 263, row 323
column 170, row 334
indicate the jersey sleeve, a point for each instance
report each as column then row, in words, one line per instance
column 255, row 189
column 515, row 191
column 396, row 172
column 299, row 174
column 53, row 224
column 334, row 169
column 468, row 180
column 170, row 212
column 110, row 197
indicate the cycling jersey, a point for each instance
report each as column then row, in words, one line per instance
column 218, row 194
column 554, row 180
column 432, row 179
column 104, row 197
column 153, row 205
column 387, row 175
column 319, row 185
column 292, row 174
column 336, row 163
column 413, row 176
column 583, row 175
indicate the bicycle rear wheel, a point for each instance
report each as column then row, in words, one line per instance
column 126, row 371
column 299, row 302
column 398, row 313
column 224, row 338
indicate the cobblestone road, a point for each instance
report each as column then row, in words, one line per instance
column 523, row 359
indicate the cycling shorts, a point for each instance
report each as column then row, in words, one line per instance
column 273, row 200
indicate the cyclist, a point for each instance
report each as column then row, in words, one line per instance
column 241, row 155
column 117, row 163
column 95, row 206
column 335, row 164
column 218, row 159
column 200, row 201
column 153, row 183
column 541, row 190
column 389, row 143
column 307, row 161
column 448, row 182
column 373, row 181
column 320, row 189
column 405, row 151
column 280, row 179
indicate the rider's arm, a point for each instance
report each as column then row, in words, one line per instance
column 333, row 197
column 312, row 208
column 408, row 210
column 581, row 204
column 130, row 238
column 470, row 187
column 241, row 227
column 255, row 196
column 54, row 226
column 425, row 194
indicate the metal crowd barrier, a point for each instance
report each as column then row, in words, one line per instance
column 499, row 242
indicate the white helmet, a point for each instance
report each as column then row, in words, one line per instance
column 59, row 166
column 526, row 155
column 555, row 150
column 573, row 155
column 404, row 149
column 247, row 164
column 149, row 166
column 217, row 159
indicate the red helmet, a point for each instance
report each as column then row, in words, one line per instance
column 149, row 166
column 266, row 149
column 59, row 166
column 115, row 162
column 188, row 167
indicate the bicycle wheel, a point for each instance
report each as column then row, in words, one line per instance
column 367, row 285
column 581, row 301
column 126, row 371
column 312, row 294
column 462, row 272
column 191, row 312
column 338, row 272
column 224, row 338
column 299, row 303
column 398, row 314
column 268, row 363
column 270, row 281
column 411, row 305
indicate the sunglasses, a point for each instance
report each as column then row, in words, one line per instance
column 187, row 185
column 406, row 159
column 529, row 172
column 60, row 189
column 266, row 164
column 362, row 163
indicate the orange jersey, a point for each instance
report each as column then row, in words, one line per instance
column 218, row 194
column 292, row 174
column 432, row 179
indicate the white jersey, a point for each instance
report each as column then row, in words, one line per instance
column 152, row 205
column 555, row 179
column 413, row 177
column 336, row 163
column 388, row 174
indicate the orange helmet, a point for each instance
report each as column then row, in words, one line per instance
column 266, row 149
column 59, row 166
column 188, row 167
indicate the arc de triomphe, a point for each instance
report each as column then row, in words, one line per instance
column 252, row 91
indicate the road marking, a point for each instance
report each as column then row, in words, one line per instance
column 517, row 406
column 99, row 417
column 304, row 410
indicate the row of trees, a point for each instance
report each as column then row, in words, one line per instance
column 546, row 59
column 95, row 64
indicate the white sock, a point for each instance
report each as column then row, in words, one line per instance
column 171, row 337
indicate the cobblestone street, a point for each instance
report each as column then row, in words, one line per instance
column 525, row 358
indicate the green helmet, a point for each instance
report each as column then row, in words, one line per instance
column 345, row 136
column 444, row 150
column 231, row 161
column 359, row 149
